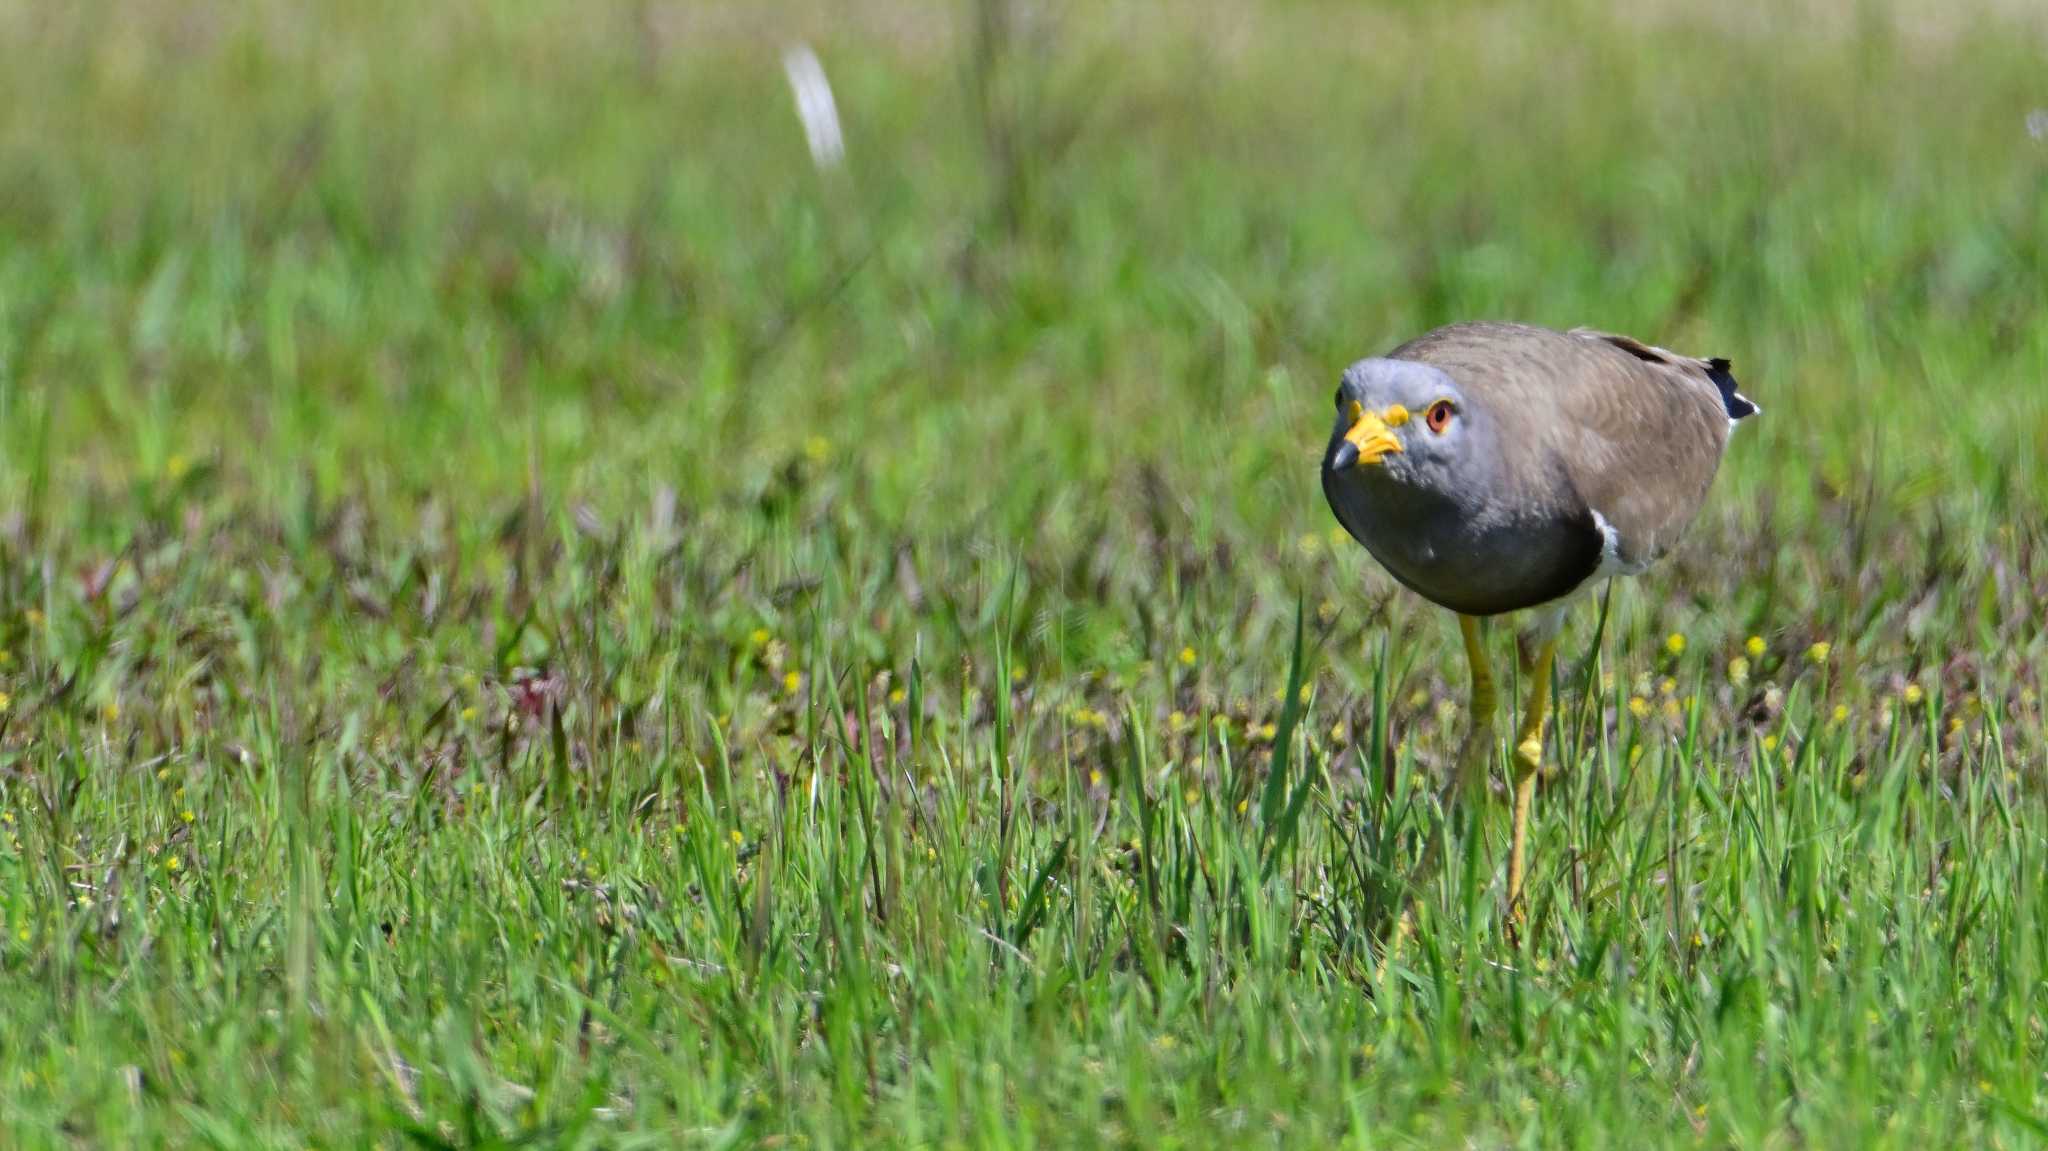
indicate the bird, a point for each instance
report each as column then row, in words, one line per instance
column 1497, row 468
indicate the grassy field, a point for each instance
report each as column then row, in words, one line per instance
column 530, row 615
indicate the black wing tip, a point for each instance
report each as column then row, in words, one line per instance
column 1740, row 407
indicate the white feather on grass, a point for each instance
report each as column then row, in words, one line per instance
column 814, row 106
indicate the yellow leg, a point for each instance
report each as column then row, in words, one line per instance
column 1468, row 785
column 1528, row 760
column 1476, row 752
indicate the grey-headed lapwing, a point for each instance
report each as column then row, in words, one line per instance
column 1496, row 468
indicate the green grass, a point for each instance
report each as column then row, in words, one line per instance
column 531, row 616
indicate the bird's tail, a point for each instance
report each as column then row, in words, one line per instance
column 1739, row 406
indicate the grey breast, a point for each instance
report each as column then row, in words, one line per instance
column 1607, row 447
column 1474, row 553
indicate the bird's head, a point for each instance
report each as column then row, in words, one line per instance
column 1406, row 421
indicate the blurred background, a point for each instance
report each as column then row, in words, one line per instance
column 483, row 450
column 422, row 257
column 1062, row 293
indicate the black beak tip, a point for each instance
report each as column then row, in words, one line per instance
column 1345, row 455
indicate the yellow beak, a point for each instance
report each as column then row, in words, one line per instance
column 1371, row 436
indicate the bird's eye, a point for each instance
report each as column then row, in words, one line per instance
column 1439, row 416
column 1338, row 402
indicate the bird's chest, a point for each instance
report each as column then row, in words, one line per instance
column 1426, row 544
column 1471, row 558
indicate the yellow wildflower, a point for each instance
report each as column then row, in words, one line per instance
column 1819, row 652
column 1738, row 671
column 1187, row 657
column 1913, row 694
column 1755, row 647
column 818, row 448
column 791, row 681
column 174, row 864
column 1639, row 707
column 1675, row 643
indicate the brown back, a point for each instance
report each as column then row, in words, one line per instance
column 1592, row 421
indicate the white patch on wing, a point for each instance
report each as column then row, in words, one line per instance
column 1755, row 409
column 1611, row 563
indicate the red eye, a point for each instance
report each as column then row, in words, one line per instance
column 1439, row 416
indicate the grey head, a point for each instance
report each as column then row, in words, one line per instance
column 1435, row 442
column 1417, row 469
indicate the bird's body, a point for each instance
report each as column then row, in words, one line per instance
column 1597, row 452
column 1495, row 468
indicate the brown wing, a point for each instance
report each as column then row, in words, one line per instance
column 1593, row 422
